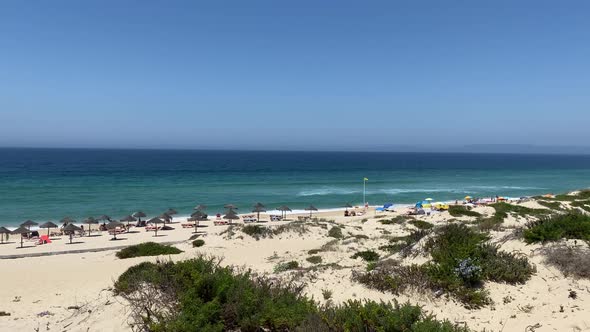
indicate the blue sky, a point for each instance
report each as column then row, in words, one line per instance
column 293, row 74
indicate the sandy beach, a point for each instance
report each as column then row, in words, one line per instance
column 72, row 291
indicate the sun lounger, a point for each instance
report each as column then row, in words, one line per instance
column 220, row 222
column 274, row 217
column 44, row 239
column 188, row 225
column 152, row 228
column 249, row 219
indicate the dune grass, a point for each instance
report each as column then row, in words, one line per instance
column 147, row 249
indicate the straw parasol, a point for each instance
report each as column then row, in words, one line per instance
column 171, row 212
column 201, row 207
column 21, row 230
column 67, row 220
column 71, row 229
column 139, row 215
column 104, row 217
column 48, row 225
column 284, row 209
column 231, row 215
column 128, row 219
column 347, row 206
column 113, row 225
column 166, row 217
column 4, row 230
column 90, row 221
column 28, row 224
column 257, row 209
column 196, row 217
column 311, row 208
column 155, row 221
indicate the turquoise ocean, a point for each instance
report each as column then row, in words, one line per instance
column 49, row 184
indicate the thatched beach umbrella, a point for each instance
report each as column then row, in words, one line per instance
column 128, row 219
column 70, row 229
column 171, row 212
column 22, row 231
column 139, row 215
column 257, row 209
column 311, row 208
column 155, row 221
column 230, row 207
column 196, row 217
column 4, row 232
column 104, row 217
column 28, row 224
column 113, row 225
column 347, row 206
column 284, row 209
column 231, row 215
column 48, row 225
column 166, row 217
column 67, row 220
column 201, row 207
column 90, row 221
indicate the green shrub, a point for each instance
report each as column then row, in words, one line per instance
column 314, row 259
column 326, row 294
column 313, row 251
column 335, row 232
column 147, row 249
column 584, row 205
column 286, row 266
column 198, row 243
column 404, row 244
column 564, row 226
column 257, row 231
column 396, row 220
column 503, row 209
column 551, row 205
column 367, row 255
column 420, row 224
column 460, row 210
column 200, row 295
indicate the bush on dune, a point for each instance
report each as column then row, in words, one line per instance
column 201, row 295
column 460, row 210
column 570, row 261
column 461, row 260
column 147, row 249
column 564, row 226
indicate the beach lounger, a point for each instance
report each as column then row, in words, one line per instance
column 152, row 228
column 220, row 222
column 44, row 239
column 188, row 225
column 274, row 217
column 249, row 219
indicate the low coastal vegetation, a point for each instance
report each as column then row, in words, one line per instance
column 261, row 232
column 420, row 224
column 335, row 232
column 395, row 220
column 460, row 210
column 201, row 295
column 198, row 243
column 314, row 259
column 286, row 266
column 462, row 259
column 571, row 261
column 404, row 244
column 147, row 249
column 571, row 225
column 367, row 255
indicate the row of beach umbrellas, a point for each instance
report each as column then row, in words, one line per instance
column 197, row 216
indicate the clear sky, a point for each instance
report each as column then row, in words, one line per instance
column 293, row 74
